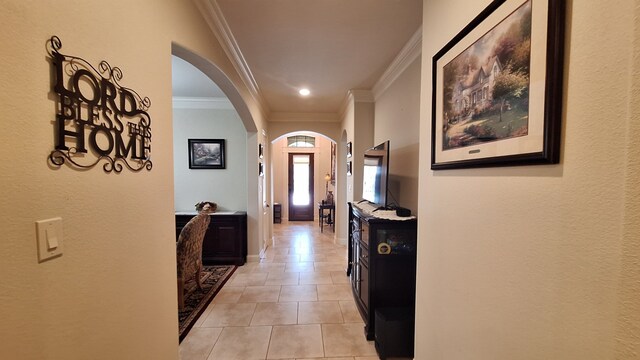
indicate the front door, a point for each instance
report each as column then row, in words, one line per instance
column 300, row 187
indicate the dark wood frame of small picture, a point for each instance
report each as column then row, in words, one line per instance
column 192, row 160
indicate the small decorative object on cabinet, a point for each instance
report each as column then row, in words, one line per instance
column 206, row 206
column 226, row 239
column 382, row 264
column 277, row 213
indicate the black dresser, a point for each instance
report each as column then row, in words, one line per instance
column 226, row 239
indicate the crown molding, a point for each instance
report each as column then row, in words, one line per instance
column 212, row 14
column 303, row 117
column 180, row 102
column 411, row 50
column 361, row 96
column 344, row 107
column 354, row 96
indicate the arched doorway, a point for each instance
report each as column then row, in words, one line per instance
column 321, row 150
column 251, row 189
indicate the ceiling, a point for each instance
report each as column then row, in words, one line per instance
column 328, row 46
column 189, row 82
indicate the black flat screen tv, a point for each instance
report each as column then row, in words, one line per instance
column 375, row 174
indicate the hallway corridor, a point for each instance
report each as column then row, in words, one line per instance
column 296, row 303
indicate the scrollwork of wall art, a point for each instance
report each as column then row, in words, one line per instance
column 98, row 120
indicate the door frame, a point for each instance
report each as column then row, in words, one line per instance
column 312, row 184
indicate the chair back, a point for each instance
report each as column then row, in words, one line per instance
column 189, row 245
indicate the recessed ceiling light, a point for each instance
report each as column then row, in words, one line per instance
column 304, row 92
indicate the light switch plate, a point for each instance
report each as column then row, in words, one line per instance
column 49, row 234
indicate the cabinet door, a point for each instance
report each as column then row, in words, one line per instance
column 364, row 233
column 355, row 277
column 222, row 239
column 364, row 285
column 181, row 221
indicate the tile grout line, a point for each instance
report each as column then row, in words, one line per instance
column 269, row 343
column 324, row 352
column 214, row 344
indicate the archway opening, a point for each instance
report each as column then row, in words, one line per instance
column 322, row 149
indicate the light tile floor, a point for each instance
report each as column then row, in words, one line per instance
column 296, row 303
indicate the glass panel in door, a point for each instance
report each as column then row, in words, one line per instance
column 300, row 187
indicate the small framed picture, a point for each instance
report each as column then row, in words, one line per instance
column 349, row 168
column 260, row 151
column 207, row 154
column 349, row 149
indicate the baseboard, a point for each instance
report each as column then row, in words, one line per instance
column 341, row 241
column 253, row 258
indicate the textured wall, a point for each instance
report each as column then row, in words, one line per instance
column 538, row 262
column 112, row 294
column 397, row 119
column 226, row 187
column 628, row 329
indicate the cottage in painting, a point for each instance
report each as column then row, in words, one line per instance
column 473, row 92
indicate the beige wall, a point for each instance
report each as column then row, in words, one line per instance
column 397, row 119
column 112, row 294
column 344, row 190
column 537, row 262
column 226, row 187
column 628, row 320
column 357, row 122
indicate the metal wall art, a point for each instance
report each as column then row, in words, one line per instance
column 98, row 116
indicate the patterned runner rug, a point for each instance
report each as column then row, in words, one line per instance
column 196, row 301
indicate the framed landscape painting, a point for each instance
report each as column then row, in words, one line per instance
column 497, row 88
column 206, row 154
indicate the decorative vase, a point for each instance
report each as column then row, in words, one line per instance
column 329, row 197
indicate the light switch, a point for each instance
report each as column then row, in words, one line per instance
column 49, row 234
column 52, row 238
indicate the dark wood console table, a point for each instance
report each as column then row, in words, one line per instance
column 322, row 206
column 226, row 239
column 382, row 264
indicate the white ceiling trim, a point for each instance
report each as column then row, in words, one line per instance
column 354, row 96
column 180, row 102
column 362, row 95
column 218, row 24
column 303, row 117
column 411, row 50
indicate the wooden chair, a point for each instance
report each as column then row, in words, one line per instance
column 189, row 253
